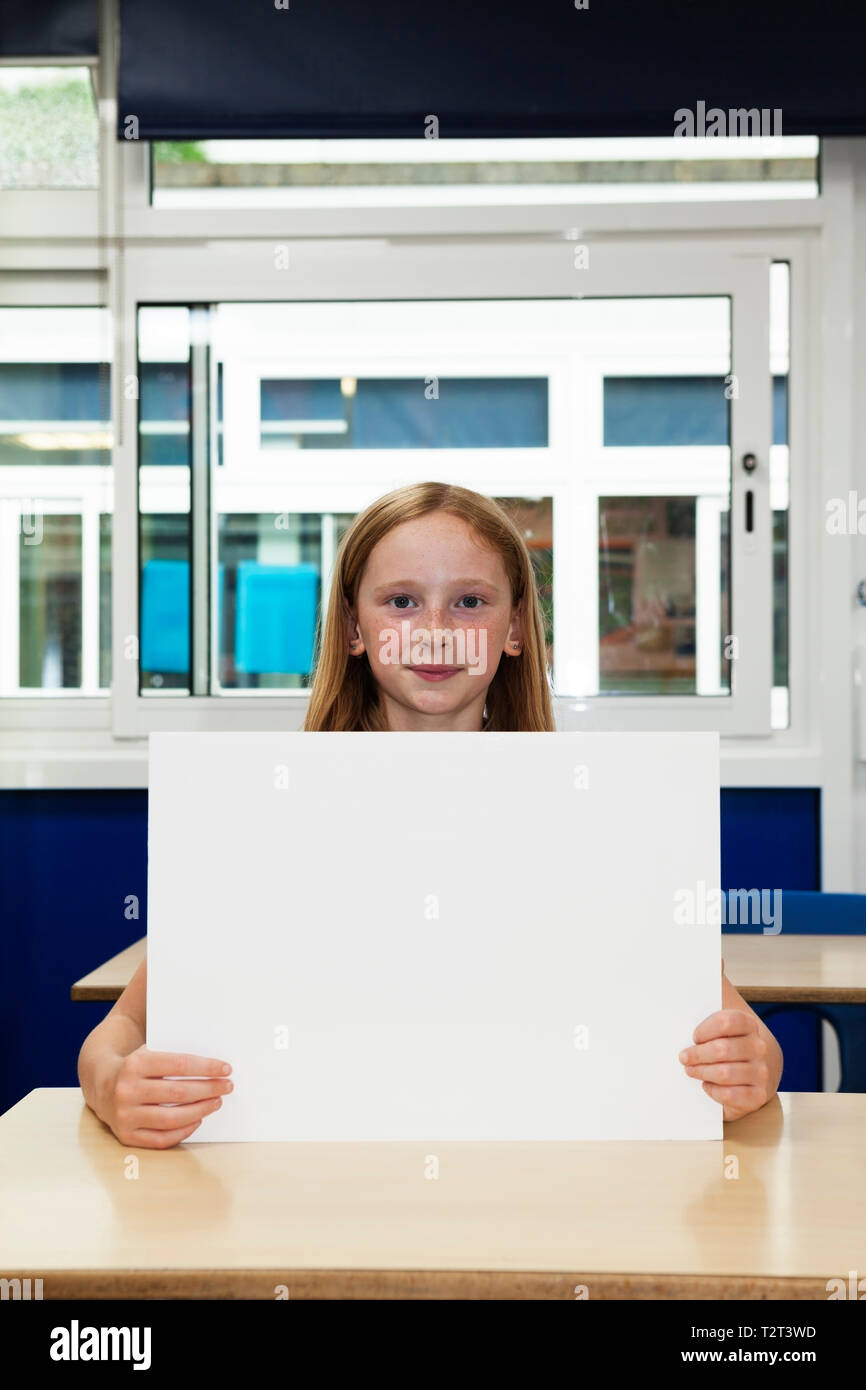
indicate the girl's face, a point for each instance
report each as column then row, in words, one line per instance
column 434, row 616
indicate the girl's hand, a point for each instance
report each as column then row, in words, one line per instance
column 731, row 1057
column 147, row 1111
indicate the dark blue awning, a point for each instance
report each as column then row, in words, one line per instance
column 334, row 68
column 48, row 29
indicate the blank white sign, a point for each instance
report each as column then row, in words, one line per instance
column 413, row 936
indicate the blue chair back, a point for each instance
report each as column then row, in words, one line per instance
column 804, row 914
column 798, row 1026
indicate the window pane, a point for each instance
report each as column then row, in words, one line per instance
column 48, row 128
column 533, row 517
column 165, row 586
column 432, row 413
column 648, row 596
column 437, row 173
column 164, row 413
column 643, row 608
column 268, row 599
column 50, row 603
column 55, row 482
column 780, row 346
column 165, row 442
column 51, row 413
column 661, row 477
column 105, row 528
column 653, row 410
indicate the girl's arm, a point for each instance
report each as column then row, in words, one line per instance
column 735, row 1055
column 120, row 1033
column 125, row 1084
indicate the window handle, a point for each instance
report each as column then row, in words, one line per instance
column 750, row 463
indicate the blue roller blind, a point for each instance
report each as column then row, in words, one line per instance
column 546, row 68
column 49, row 29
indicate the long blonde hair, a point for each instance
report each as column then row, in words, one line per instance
column 345, row 697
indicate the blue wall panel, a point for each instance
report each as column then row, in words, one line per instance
column 771, row 837
column 68, row 859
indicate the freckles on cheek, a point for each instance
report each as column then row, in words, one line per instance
column 483, row 649
column 378, row 646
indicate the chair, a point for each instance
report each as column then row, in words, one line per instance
column 818, row 914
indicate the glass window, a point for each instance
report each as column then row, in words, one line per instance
column 165, row 465
column 228, row 415
column 438, row 173
column 55, row 500
column 648, row 596
column 105, row 530
column 50, row 620
column 661, row 477
column 533, row 517
column 434, row 413
column 164, row 407
column 165, row 586
column 269, row 596
column 780, row 345
column 656, row 410
column 48, row 128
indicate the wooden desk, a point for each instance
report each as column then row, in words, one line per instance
column 628, row 1220
column 795, row 969
column 108, row 981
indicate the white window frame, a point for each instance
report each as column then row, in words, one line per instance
column 87, row 490
column 488, row 271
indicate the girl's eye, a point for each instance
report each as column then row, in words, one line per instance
column 402, row 600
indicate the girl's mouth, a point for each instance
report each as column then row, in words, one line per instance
column 435, row 673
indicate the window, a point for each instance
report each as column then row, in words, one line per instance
column 606, row 423
column 435, row 173
column 56, row 501
column 48, row 128
column 378, row 413
column 277, row 513
column 780, row 354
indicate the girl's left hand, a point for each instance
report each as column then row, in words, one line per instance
column 730, row 1056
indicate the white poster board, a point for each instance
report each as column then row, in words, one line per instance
column 413, row 936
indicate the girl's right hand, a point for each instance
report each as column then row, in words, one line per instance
column 147, row 1110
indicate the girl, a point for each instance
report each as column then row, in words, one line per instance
column 443, row 561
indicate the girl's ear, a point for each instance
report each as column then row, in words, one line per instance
column 353, row 635
column 514, row 640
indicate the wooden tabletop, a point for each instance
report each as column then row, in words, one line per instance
column 794, row 969
column 626, row 1220
column 109, row 980
column 797, row 969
